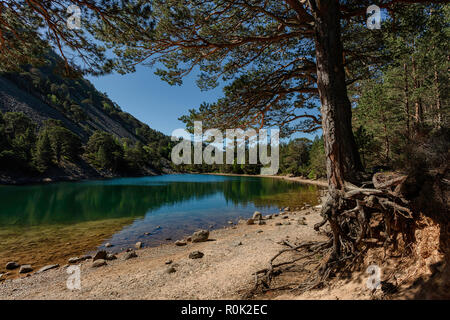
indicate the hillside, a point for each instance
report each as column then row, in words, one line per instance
column 41, row 94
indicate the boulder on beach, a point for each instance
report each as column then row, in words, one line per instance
column 180, row 243
column 196, row 255
column 200, row 236
column 257, row 215
column 98, row 263
column 49, row 267
column 100, row 255
column 25, row 268
column 75, row 260
column 138, row 245
column 171, row 269
column 12, row 265
column 250, row 222
column 110, row 257
column 130, row 255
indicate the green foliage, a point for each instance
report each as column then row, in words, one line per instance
column 407, row 98
column 43, row 154
column 64, row 143
column 317, row 160
column 17, row 140
column 295, row 157
column 104, row 151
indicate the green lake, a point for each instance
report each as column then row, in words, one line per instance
column 43, row 224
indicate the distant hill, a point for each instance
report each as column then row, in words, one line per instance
column 41, row 93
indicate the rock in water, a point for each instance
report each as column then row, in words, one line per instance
column 138, row 245
column 46, row 268
column 257, row 215
column 130, row 255
column 98, row 263
column 200, row 236
column 180, row 243
column 101, row 255
column 25, row 268
column 196, row 255
column 108, row 245
column 12, row 265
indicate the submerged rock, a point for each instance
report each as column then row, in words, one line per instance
column 200, row 236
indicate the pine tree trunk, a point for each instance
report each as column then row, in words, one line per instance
column 418, row 103
column 438, row 99
column 342, row 158
column 408, row 130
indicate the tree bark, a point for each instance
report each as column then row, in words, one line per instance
column 342, row 158
column 438, row 98
column 408, row 130
column 418, row 103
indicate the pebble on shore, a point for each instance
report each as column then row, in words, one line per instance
column 25, row 268
column 200, row 236
column 196, row 255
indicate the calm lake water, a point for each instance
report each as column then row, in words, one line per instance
column 41, row 224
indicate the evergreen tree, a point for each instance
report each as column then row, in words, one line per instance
column 43, row 154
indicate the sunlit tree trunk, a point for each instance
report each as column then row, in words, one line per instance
column 342, row 158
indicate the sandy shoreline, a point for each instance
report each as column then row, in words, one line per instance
column 225, row 271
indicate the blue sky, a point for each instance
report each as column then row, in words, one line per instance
column 153, row 101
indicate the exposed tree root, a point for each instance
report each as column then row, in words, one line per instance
column 359, row 218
